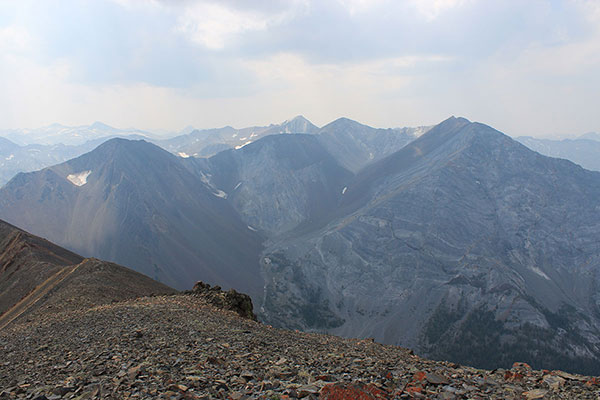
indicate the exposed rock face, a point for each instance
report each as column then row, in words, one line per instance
column 462, row 239
column 279, row 182
column 230, row 300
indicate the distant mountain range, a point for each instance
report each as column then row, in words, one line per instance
column 585, row 150
column 458, row 237
column 56, row 134
column 31, row 150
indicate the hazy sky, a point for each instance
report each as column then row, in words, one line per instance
column 526, row 67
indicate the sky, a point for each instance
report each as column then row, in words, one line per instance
column 524, row 67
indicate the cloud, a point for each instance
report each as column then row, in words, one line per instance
column 431, row 9
column 525, row 67
column 14, row 39
column 214, row 24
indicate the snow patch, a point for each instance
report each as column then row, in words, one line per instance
column 220, row 193
column 80, row 178
column 237, row 186
column 10, row 157
column 540, row 272
column 253, row 135
column 371, row 156
column 344, row 189
column 243, row 138
column 251, row 228
column 183, row 155
column 234, row 135
column 242, row 145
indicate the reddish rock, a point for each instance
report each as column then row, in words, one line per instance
column 593, row 381
column 413, row 389
column 419, row 376
column 348, row 391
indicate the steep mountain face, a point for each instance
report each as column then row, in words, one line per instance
column 39, row 276
column 584, row 151
column 355, row 145
column 208, row 142
column 133, row 203
column 278, row 182
column 463, row 239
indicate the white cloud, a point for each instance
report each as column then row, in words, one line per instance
column 14, row 38
column 213, row 25
column 431, row 9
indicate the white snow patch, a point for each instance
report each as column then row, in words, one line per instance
column 205, row 179
column 234, row 135
column 243, row 138
column 251, row 228
column 10, row 157
column 80, row 178
column 540, row 272
column 344, row 189
column 253, row 135
column 220, row 193
column 371, row 156
column 242, row 145
column 237, row 186
column 183, row 155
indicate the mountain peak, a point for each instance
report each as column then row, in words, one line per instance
column 101, row 126
column 298, row 124
column 344, row 123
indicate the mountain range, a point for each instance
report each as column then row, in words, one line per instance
column 33, row 149
column 457, row 237
column 584, row 150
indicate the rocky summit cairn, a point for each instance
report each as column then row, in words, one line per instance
column 227, row 300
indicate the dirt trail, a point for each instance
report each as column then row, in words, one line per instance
column 40, row 291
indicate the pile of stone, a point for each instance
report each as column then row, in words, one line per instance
column 183, row 347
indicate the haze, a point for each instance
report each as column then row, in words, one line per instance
column 524, row 67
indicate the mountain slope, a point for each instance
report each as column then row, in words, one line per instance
column 278, row 182
column 355, row 145
column 133, row 203
column 37, row 276
column 473, row 238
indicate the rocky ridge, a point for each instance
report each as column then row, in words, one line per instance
column 182, row 347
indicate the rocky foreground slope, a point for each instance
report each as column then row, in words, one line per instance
column 182, row 347
column 80, row 330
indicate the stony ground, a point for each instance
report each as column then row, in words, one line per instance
column 180, row 347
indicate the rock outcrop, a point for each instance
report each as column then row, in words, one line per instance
column 231, row 299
